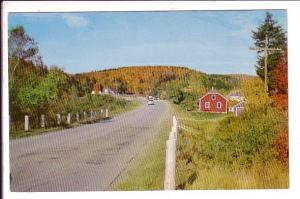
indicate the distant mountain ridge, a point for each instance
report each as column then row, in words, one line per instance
column 147, row 80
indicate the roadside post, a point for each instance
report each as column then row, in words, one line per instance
column 169, row 183
column 106, row 113
column 77, row 117
column 43, row 121
column 69, row 118
column 92, row 116
column 170, row 167
column 26, row 122
column 84, row 116
column 58, row 117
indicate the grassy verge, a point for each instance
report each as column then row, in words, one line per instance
column 21, row 134
column 146, row 171
column 268, row 176
column 131, row 105
column 219, row 152
column 115, row 107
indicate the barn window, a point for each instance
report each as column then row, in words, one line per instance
column 207, row 105
column 219, row 104
column 213, row 97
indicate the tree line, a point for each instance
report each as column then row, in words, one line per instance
column 181, row 85
column 35, row 88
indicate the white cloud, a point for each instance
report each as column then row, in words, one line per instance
column 75, row 21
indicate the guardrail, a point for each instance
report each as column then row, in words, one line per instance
column 169, row 183
column 94, row 115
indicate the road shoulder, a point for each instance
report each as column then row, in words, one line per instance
column 146, row 170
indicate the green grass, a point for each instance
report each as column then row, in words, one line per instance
column 205, row 152
column 114, row 110
column 130, row 106
column 270, row 176
column 146, row 171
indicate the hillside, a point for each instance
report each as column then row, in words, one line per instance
column 153, row 80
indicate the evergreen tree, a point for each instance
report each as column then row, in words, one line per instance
column 276, row 39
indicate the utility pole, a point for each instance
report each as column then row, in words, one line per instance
column 266, row 63
column 266, row 50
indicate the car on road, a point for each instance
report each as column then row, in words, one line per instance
column 150, row 97
column 150, row 102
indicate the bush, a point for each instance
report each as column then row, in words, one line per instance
column 190, row 102
column 238, row 140
column 282, row 145
column 251, row 144
column 73, row 105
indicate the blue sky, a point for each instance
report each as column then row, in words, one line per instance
column 209, row 41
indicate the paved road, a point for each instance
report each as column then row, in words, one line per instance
column 86, row 158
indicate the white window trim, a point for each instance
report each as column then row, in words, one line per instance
column 219, row 105
column 207, row 105
column 213, row 97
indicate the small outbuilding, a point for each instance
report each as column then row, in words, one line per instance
column 213, row 102
column 238, row 109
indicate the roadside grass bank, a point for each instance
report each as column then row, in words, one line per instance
column 115, row 106
column 207, row 158
column 147, row 170
column 227, row 152
column 122, row 108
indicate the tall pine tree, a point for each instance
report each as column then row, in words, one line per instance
column 276, row 39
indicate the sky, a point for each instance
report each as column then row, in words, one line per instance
column 209, row 41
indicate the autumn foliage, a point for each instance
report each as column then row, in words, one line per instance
column 279, row 85
column 282, row 145
column 138, row 79
column 279, row 95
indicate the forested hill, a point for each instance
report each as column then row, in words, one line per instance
column 156, row 80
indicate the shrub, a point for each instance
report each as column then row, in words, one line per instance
column 67, row 105
column 281, row 143
column 239, row 140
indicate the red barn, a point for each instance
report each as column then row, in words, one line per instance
column 213, row 102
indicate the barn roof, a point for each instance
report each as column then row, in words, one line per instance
column 214, row 92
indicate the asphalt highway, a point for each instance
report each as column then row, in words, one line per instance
column 86, row 158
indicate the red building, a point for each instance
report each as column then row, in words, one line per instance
column 97, row 88
column 213, row 102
